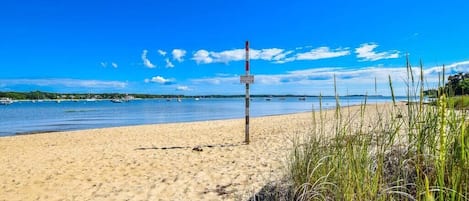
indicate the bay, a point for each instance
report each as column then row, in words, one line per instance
column 25, row 117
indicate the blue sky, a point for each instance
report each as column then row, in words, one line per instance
column 197, row 47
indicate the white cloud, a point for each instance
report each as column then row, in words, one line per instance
column 282, row 56
column 275, row 55
column 322, row 53
column 227, row 56
column 160, row 80
column 265, row 54
column 183, row 88
column 178, row 54
column 162, row 52
column 168, row 63
column 365, row 53
column 105, row 64
column 202, row 57
column 349, row 80
column 146, row 61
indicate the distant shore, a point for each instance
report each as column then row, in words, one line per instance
column 53, row 96
column 176, row 161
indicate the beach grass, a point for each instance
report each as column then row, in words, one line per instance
column 410, row 151
column 460, row 102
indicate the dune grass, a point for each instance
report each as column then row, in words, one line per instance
column 460, row 102
column 408, row 152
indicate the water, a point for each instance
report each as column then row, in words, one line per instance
column 29, row 117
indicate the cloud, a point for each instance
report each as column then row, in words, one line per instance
column 178, row 54
column 146, row 61
column 449, row 69
column 105, row 64
column 205, row 57
column 202, row 57
column 168, row 63
column 265, row 54
column 275, row 55
column 70, row 83
column 162, row 52
column 183, row 88
column 160, row 80
column 321, row 80
column 282, row 56
column 229, row 55
column 322, row 53
column 365, row 53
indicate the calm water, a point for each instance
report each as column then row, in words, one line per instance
column 28, row 117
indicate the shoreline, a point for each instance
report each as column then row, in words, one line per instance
column 35, row 132
column 152, row 162
column 149, row 124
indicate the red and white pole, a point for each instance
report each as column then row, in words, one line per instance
column 246, row 133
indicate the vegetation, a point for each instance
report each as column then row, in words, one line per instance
column 457, row 85
column 411, row 152
column 35, row 95
column 459, row 102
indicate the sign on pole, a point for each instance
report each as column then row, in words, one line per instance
column 247, row 79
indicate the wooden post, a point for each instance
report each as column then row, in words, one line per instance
column 246, row 132
column 247, row 79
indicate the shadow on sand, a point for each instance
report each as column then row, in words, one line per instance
column 194, row 148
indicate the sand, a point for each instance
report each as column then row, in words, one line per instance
column 150, row 162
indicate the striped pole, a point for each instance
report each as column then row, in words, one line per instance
column 246, row 132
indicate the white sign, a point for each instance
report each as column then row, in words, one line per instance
column 248, row 79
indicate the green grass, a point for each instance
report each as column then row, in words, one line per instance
column 413, row 152
column 460, row 102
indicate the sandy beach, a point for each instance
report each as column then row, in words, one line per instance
column 151, row 162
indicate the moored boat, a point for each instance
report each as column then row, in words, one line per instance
column 6, row 101
column 117, row 100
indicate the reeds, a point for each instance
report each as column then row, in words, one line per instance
column 412, row 152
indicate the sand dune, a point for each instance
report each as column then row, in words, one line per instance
column 150, row 162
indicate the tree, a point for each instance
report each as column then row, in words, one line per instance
column 458, row 84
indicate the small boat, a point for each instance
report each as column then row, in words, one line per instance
column 302, row 98
column 268, row 99
column 117, row 100
column 128, row 98
column 6, row 101
column 197, row 99
column 179, row 100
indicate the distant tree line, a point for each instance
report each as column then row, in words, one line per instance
column 40, row 95
column 457, row 85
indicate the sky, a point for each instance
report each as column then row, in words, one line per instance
column 197, row 47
